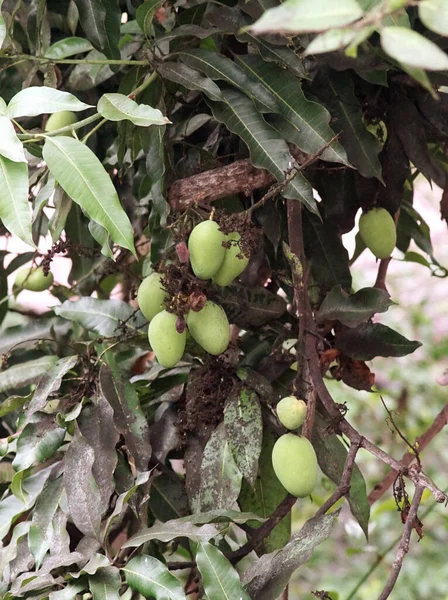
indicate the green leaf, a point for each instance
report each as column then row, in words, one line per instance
column 3, row 30
column 128, row 416
column 150, row 578
column 102, row 237
column 145, row 14
column 26, row 335
column 34, row 101
column 38, row 441
column 105, row 584
column 100, row 20
column 351, row 310
column 368, row 340
column 10, row 145
column 331, row 40
column 14, row 207
column 415, row 257
column 220, row 477
column 83, row 497
column 219, row 67
column 69, row 592
column 331, row 454
column 337, row 90
column 189, row 78
column 118, row 107
column 267, row 150
column 269, row 576
column 304, row 123
column 301, row 16
column 411, row 48
column 244, row 431
column 68, row 47
column 166, row 532
column 25, row 373
column 63, row 205
column 83, row 178
column 103, row 316
column 168, row 499
column 219, row 578
column 434, row 14
column 13, row 403
column 265, row 496
column 49, row 383
column 326, row 253
column 277, row 54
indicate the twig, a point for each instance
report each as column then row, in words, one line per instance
column 397, row 429
column 421, row 442
column 380, row 282
column 403, row 546
column 344, row 485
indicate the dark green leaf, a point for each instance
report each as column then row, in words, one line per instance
column 168, row 499
column 219, row 578
column 189, row 78
column 368, row 340
column 145, row 14
column 251, row 307
column 100, row 20
column 353, row 309
column 150, row 578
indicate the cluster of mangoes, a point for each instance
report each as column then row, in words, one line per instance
column 213, row 255
column 293, row 457
column 378, row 232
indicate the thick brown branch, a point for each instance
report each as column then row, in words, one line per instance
column 344, row 485
column 403, row 546
column 421, row 442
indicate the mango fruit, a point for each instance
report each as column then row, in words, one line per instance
column 151, row 295
column 210, row 328
column 231, row 266
column 291, row 412
column 295, row 464
column 378, row 232
column 206, row 249
column 60, row 119
column 33, row 279
column 166, row 343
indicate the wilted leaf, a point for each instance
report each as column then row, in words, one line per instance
column 150, row 578
column 368, row 340
column 166, row 532
column 219, row 578
column 25, row 373
column 165, row 434
column 251, row 307
column 353, row 309
column 168, row 499
column 41, row 532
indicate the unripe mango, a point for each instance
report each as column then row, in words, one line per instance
column 232, row 266
column 60, row 119
column 206, row 249
column 151, row 296
column 295, row 464
column 378, row 232
column 291, row 412
column 33, row 279
column 166, row 343
column 210, row 328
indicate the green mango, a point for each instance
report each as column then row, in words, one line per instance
column 232, row 266
column 151, row 295
column 33, row 279
column 378, row 232
column 166, row 343
column 206, row 249
column 291, row 412
column 210, row 328
column 60, row 119
column 295, row 464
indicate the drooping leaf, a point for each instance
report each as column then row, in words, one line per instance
column 83, row 496
column 434, row 14
column 301, row 16
column 265, row 496
column 368, row 340
column 220, row 516
column 14, row 208
column 13, row 403
column 33, row 101
column 38, row 441
column 10, row 145
column 268, row 577
column 63, row 205
column 105, row 584
column 220, row 477
column 118, row 107
column 251, row 307
column 68, row 47
column 96, row 424
column 190, row 78
column 411, row 48
column 353, row 309
column 331, row 454
column 25, row 373
column 83, row 178
column 100, row 20
column 103, row 316
column 128, row 416
column 219, row 578
column 267, row 149
column 244, row 431
column 171, row 530
column 303, row 123
column 168, row 499
column 151, row 578
column 41, row 531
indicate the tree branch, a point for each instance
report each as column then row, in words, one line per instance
column 403, row 546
